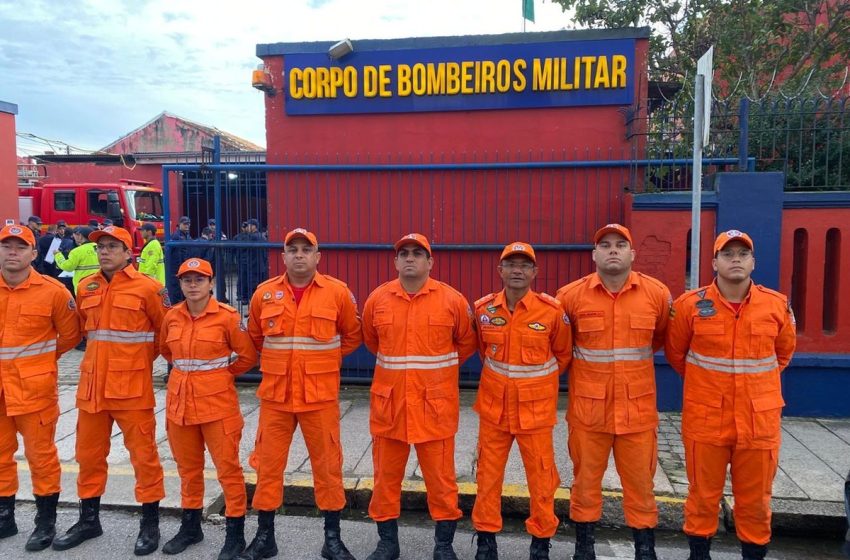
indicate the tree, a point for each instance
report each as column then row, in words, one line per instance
column 759, row 45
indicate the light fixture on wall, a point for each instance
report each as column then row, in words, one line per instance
column 341, row 49
column 261, row 79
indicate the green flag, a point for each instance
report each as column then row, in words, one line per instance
column 528, row 10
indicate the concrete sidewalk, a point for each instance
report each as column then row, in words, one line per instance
column 808, row 490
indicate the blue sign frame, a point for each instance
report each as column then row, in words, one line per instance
column 507, row 76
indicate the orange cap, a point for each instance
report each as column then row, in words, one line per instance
column 303, row 234
column 200, row 266
column 519, row 248
column 622, row 231
column 21, row 232
column 416, row 239
column 732, row 235
column 118, row 233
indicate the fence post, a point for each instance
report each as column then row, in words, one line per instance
column 744, row 138
column 220, row 273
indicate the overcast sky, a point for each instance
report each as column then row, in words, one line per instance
column 88, row 72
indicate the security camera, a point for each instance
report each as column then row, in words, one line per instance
column 341, row 49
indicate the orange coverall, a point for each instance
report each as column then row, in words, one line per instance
column 38, row 323
column 301, row 350
column 202, row 405
column 612, row 401
column 420, row 342
column 523, row 354
column 122, row 319
column 731, row 414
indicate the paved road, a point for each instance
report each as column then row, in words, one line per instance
column 300, row 536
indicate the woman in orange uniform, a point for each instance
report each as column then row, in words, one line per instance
column 202, row 407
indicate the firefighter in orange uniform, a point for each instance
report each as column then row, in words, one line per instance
column 421, row 331
column 525, row 342
column 619, row 319
column 121, row 311
column 303, row 323
column 730, row 340
column 202, row 406
column 39, row 324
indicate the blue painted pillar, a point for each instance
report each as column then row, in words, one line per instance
column 752, row 203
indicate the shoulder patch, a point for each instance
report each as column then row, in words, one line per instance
column 72, row 305
column 481, row 301
column 227, row 307
column 544, row 297
column 163, row 294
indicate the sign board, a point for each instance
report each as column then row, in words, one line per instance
column 509, row 76
column 705, row 66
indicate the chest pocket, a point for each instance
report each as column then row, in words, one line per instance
column 172, row 341
column 211, row 343
column 34, row 320
column 440, row 332
column 323, row 323
column 125, row 315
column 494, row 345
column 535, row 348
column 641, row 327
column 709, row 328
column 589, row 330
column 271, row 319
column 763, row 338
column 91, row 306
column 382, row 321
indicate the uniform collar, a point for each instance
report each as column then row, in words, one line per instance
column 501, row 299
column 398, row 289
column 318, row 280
column 596, row 281
column 34, row 279
column 715, row 289
column 212, row 307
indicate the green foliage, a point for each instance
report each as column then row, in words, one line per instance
column 760, row 45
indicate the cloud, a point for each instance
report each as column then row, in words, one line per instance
column 90, row 71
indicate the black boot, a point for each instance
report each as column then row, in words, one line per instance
column 487, row 549
column 87, row 527
column 644, row 544
column 7, row 517
column 584, row 542
column 234, row 540
column 700, row 547
column 444, row 535
column 539, row 549
column 263, row 545
column 189, row 533
column 387, row 548
column 45, row 523
column 148, row 539
column 334, row 548
column 750, row 551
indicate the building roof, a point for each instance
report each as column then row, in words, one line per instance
column 168, row 132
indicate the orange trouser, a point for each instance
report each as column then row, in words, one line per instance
column 320, row 429
column 37, row 430
column 222, row 438
column 538, row 457
column 437, row 461
column 94, row 433
column 636, row 458
column 752, row 472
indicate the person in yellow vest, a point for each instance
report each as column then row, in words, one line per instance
column 82, row 259
column 152, row 259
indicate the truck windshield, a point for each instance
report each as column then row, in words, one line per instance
column 145, row 205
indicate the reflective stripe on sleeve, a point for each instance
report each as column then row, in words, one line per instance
column 34, row 349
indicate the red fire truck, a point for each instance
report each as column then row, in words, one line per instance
column 128, row 203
